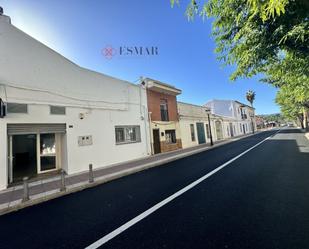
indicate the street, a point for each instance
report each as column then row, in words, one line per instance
column 258, row 200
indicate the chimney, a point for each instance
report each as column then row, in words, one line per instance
column 4, row 17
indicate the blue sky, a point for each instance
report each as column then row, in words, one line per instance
column 80, row 30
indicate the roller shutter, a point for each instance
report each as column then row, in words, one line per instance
column 19, row 129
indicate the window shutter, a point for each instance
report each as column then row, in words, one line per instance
column 20, row 129
column 17, row 108
column 57, row 110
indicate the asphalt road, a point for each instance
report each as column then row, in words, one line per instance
column 260, row 200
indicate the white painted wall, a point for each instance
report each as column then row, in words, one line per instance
column 33, row 74
column 98, row 123
column 230, row 110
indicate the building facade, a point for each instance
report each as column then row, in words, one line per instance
column 239, row 117
column 60, row 116
column 194, row 125
column 198, row 125
column 163, row 117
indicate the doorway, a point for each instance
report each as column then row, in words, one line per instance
column 200, row 133
column 231, row 129
column 33, row 154
column 24, row 156
column 219, row 130
column 156, row 141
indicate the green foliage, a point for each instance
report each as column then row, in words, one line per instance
column 291, row 106
column 277, row 117
column 263, row 36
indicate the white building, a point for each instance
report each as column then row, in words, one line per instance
column 62, row 116
column 241, row 116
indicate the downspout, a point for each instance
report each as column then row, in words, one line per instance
column 150, row 132
column 210, row 133
column 144, row 86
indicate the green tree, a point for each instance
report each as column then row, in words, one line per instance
column 291, row 106
column 254, row 34
column 262, row 36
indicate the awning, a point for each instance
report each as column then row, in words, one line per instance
column 20, row 129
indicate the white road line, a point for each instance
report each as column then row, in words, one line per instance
column 143, row 215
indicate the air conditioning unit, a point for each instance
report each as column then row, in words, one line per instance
column 2, row 109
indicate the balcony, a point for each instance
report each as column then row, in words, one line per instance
column 244, row 116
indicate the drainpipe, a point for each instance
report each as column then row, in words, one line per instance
column 144, row 111
column 150, row 131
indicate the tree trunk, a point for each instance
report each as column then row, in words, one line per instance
column 305, row 121
column 301, row 120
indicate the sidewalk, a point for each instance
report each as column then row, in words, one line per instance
column 47, row 189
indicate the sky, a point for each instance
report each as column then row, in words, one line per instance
column 82, row 31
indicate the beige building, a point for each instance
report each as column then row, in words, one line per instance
column 196, row 128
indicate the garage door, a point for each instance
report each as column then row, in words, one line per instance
column 19, row 129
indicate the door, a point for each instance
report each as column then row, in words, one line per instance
column 200, row 133
column 23, row 156
column 31, row 154
column 231, row 129
column 219, row 130
column 156, row 141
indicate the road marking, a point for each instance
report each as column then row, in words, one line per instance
column 149, row 211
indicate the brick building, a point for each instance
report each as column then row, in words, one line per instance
column 163, row 116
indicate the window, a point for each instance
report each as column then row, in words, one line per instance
column 17, row 108
column 127, row 134
column 164, row 110
column 48, row 151
column 170, row 136
column 240, row 127
column 207, row 130
column 57, row 110
column 192, row 132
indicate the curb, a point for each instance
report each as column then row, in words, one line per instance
column 117, row 175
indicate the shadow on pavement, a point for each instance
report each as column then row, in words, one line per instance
column 290, row 131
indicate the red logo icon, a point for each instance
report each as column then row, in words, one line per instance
column 109, row 52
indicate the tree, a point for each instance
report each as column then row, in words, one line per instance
column 262, row 36
column 253, row 34
column 294, row 102
column 250, row 96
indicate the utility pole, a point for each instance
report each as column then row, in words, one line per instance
column 210, row 133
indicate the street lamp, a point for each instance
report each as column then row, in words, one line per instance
column 210, row 133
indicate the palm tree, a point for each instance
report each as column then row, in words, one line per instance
column 250, row 96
